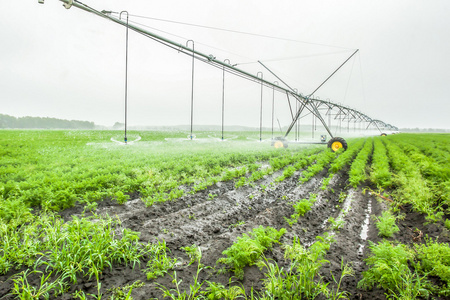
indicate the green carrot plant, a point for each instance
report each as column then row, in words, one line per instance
column 357, row 171
column 386, row 224
column 249, row 247
column 388, row 269
column 301, row 207
column 323, row 159
column 380, row 173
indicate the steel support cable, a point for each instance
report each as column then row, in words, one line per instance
column 240, row 32
column 348, row 81
column 184, row 38
column 290, row 58
column 302, row 56
column 333, row 73
column 362, row 82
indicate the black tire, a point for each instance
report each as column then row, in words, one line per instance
column 337, row 143
column 383, row 134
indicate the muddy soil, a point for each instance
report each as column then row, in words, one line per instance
column 214, row 224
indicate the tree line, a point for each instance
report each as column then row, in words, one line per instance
column 7, row 121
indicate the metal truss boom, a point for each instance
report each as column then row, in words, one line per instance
column 308, row 102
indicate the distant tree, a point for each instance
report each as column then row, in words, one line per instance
column 118, row 125
column 7, row 121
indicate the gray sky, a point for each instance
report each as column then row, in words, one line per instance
column 71, row 64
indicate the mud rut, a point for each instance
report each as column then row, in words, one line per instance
column 213, row 225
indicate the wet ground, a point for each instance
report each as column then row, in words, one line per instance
column 214, row 224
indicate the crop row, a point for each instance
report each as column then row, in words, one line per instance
column 55, row 175
column 48, row 177
column 411, row 168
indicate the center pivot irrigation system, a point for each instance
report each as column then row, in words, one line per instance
column 308, row 105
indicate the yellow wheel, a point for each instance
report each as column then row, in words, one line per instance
column 337, row 143
column 278, row 144
column 336, row 146
column 383, row 134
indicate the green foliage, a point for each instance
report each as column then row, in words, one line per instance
column 194, row 291
column 14, row 211
column 55, row 169
column 357, row 171
column 434, row 259
column 336, row 224
column 302, row 279
column 347, row 270
column 322, row 160
column 72, row 249
column 326, row 182
column 248, row 248
column 193, row 252
column 217, row 291
column 241, row 182
column 23, row 290
column 386, row 224
column 159, row 263
column 124, row 293
column 211, row 196
column 411, row 186
column 288, row 172
column 346, row 157
column 342, row 197
column 447, row 224
column 301, row 207
column 121, row 197
column 388, row 269
column 380, row 174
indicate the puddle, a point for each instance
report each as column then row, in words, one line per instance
column 365, row 227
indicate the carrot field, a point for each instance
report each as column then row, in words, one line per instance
column 83, row 216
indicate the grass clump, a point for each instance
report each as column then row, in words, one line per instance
column 249, row 248
column 194, row 288
column 159, row 263
column 73, row 249
column 193, row 252
column 124, row 293
column 302, row 279
column 217, row 291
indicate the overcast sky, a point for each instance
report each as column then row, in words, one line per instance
column 70, row 64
